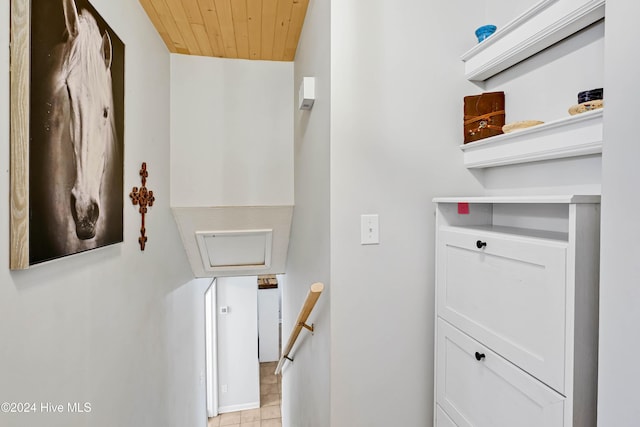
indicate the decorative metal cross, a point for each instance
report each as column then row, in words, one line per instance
column 144, row 198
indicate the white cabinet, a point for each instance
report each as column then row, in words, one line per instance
column 442, row 419
column 512, row 277
column 516, row 311
column 477, row 387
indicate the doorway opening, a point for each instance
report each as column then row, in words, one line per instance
column 243, row 340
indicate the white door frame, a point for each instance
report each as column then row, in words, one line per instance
column 211, row 348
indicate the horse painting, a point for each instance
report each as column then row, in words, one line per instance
column 76, row 191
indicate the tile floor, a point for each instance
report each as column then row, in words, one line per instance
column 268, row 415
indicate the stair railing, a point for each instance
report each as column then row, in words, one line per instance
column 312, row 297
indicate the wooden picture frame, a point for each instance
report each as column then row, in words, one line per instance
column 19, row 134
column 66, row 190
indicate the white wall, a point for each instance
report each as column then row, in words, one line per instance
column 92, row 327
column 238, row 366
column 501, row 12
column 546, row 85
column 397, row 86
column 543, row 88
column 185, row 326
column 396, row 98
column 305, row 383
column 619, row 371
column 231, row 132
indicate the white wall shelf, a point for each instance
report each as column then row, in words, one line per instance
column 541, row 26
column 572, row 136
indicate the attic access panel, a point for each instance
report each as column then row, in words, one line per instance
column 236, row 249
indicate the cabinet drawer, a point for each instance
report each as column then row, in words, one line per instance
column 489, row 392
column 510, row 295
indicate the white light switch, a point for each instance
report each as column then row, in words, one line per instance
column 369, row 234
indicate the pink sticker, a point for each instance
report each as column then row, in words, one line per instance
column 463, row 208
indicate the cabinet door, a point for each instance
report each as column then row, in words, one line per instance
column 490, row 392
column 510, row 294
column 442, row 419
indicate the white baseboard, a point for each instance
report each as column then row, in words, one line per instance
column 236, row 408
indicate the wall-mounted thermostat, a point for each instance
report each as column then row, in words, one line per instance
column 307, row 93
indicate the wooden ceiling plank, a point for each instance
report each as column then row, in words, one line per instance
column 212, row 25
column 298, row 13
column 193, row 11
column 157, row 23
column 196, row 21
column 240, row 27
column 254, row 18
column 253, row 29
column 202, row 37
column 172, row 29
column 283, row 19
column 225, row 18
column 269, row 10
column 180, row 17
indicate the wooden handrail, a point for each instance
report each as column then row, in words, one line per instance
column 309, row 303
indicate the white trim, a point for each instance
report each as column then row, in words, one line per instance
column 541, row 26
column 546, row 199
column 570, row 136
column 211, row 342
column 236, row 408
column 201, row 236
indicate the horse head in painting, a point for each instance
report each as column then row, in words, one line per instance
column 84, row 77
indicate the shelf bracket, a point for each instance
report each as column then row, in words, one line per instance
column 304, row 325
